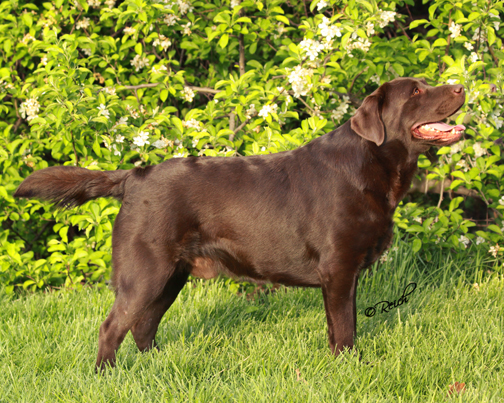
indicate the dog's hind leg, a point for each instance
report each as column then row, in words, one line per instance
column 142, row 275
column 144, row 331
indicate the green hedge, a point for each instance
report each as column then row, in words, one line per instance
column 116, row 85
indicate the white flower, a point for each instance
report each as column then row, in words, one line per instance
column 188, row 94
column 29, row 108
column 328, row 31
column 110, row 90
column 474, row 57
column 501, row 201
column 321, row 4
column 141, row 139
column 27, row 38
column 44, row 60
column 122, row 121
column 468, row 46
column 418, row 219
column 496, row 25
column 187, row 29
column 103, row 111
column 338, row 113
column 480, row 240
column 375, row 79
column 455, row 29
column 84, row 23
column 160, row 70
column 171, row 19
column 385, row 257
column 87, row 51
column 267, row 109
column 110, row 3
column 477, row 35
column 451, row 81
column 161, row 143
column 478, row 150
column 162, row 41
column 494, row 250
column 139, row 62
column 184, row 7
column 192, row 123
column 119, row 138
column 94, row 3
column 251, row 112
column 280, row 29
column 386, row 17
column 235, row 3
column 299, row 78
column 457, row 147
column 369, row 28
column 179, row 155
column 116, row 151
column 464, row 240
column 129, row 30
column 311, row 47
column 356, row 42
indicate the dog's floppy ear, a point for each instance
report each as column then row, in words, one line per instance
column 367, row 121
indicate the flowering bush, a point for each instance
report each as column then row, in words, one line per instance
column 112, row 86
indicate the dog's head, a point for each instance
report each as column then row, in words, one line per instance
column 411, row 110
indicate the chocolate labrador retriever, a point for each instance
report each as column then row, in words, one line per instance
column 312, row 217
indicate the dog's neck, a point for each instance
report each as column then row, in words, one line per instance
column 386, row 170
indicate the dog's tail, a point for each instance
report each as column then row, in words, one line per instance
column 69, row 186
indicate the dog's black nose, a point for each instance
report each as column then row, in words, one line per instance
column 458, row 89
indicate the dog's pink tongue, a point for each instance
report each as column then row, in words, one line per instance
column 443, row 127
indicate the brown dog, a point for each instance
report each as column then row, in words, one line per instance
column 312, row 217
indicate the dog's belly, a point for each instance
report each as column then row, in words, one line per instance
column 220, row 261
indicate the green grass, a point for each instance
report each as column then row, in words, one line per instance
column 220, row 347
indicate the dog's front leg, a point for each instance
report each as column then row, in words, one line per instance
column 339, row 287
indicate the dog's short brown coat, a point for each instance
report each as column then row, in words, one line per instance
column 314, row 217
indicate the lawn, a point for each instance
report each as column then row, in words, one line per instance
column 217, row 346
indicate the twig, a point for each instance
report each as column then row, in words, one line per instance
column 77, row 19
column 447, row 45
column 305, row 104
column 441, row 193
column 496, row 61
column 74, row 150
column 355, row 78
column 137, row 87
column 402, row 29
column 356, row 102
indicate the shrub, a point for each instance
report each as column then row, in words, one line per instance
column 113, row 86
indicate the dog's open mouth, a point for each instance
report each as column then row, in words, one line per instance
column 438, row 132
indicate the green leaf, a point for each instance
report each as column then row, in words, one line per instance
column 495, row 228
column 491, row 35
column 138, row 48
column 473, row 16
column 415, row 228
column 223, row 41
column 96, row 147
column 27, row 19
column 417, row 245
column 439, row 42
column 416, row 23
column 283, row 19
column 163, row 95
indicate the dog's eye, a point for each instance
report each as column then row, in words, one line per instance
column 416, row 91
